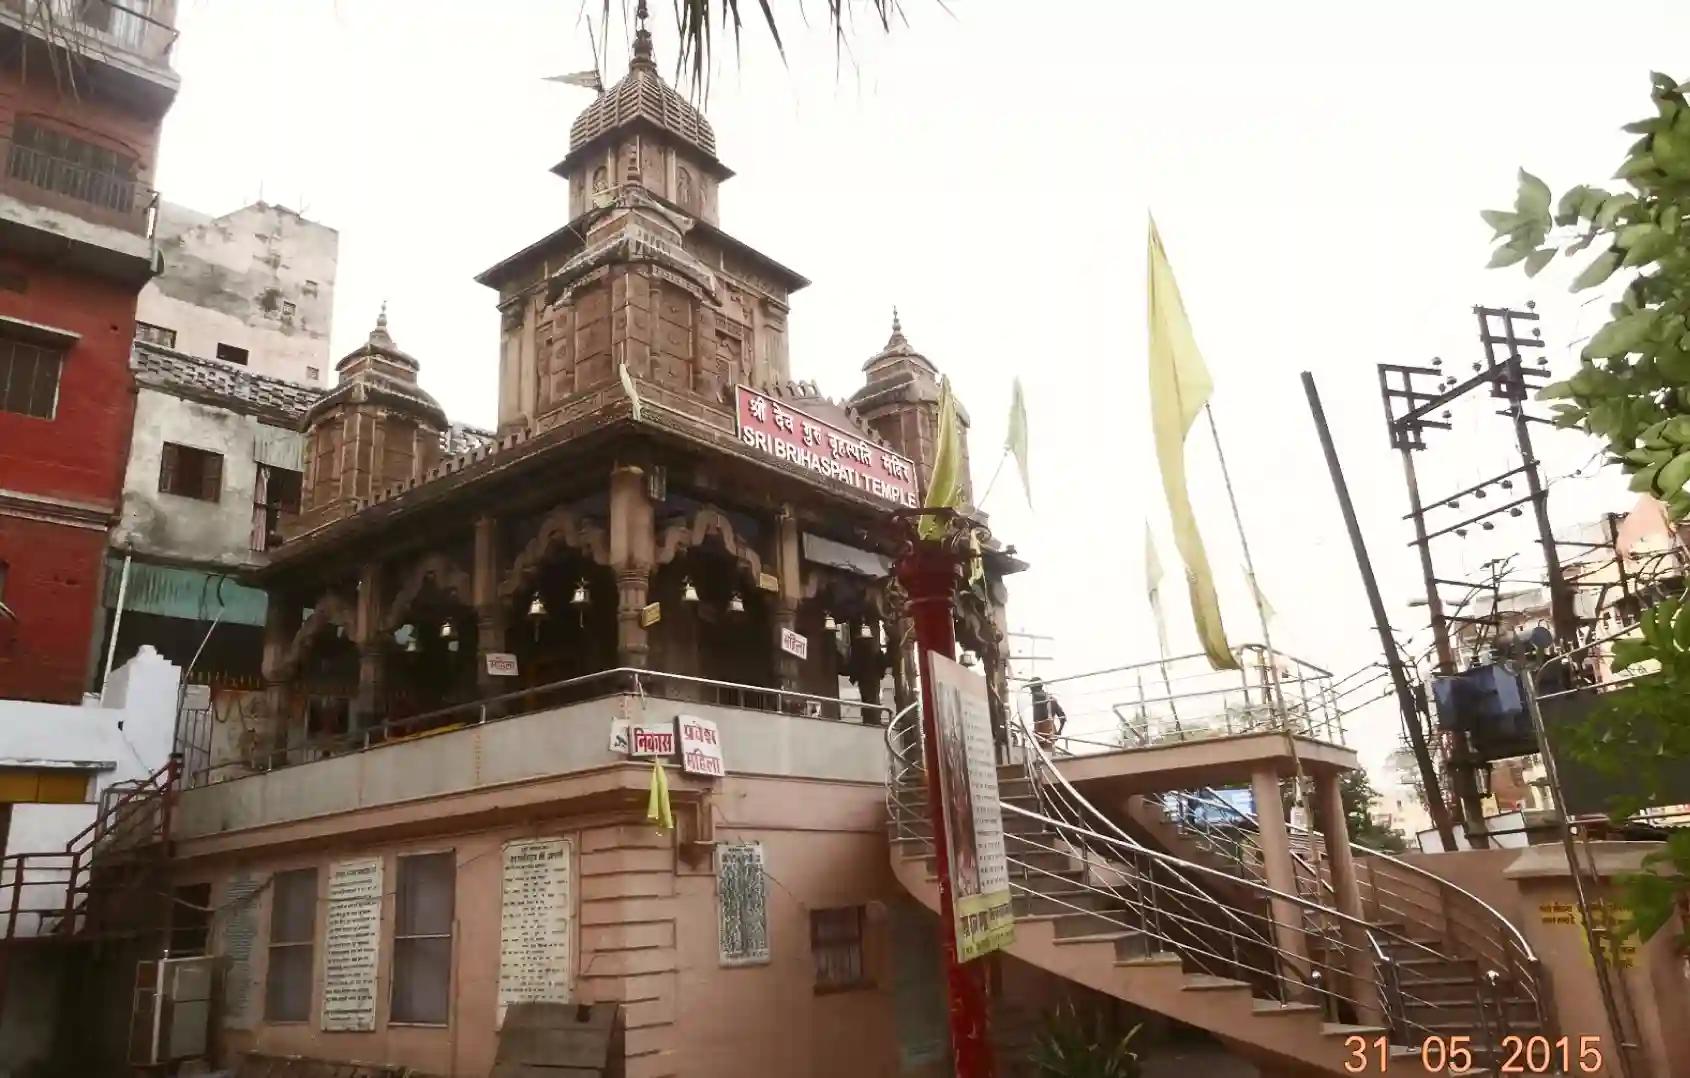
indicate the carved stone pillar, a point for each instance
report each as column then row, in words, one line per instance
column 900, row 639
column 788, row 572
column 372, row 653
column 489, row 611
column 633, row 548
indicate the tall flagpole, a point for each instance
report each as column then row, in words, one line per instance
column 994, row 480
column 1278, row 700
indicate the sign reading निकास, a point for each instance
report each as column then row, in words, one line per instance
column 651, row 739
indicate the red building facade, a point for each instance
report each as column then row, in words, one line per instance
column 81, row 103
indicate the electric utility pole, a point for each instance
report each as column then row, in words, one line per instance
column 1412, row 396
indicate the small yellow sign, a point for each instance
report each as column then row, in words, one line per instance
column 651, row 615
column 768, row 581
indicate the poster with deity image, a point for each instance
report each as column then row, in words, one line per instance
column 968, row 787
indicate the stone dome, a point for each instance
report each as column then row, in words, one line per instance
column 643, row 96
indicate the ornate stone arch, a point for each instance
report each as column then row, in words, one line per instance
column 331, row 608
column 560, row 528
column 684, row 535
column 445, row 574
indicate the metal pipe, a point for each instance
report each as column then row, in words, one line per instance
column 117, row 623
column 1399, row 678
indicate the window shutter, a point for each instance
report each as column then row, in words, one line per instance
column 212, row 477
column 167, row 469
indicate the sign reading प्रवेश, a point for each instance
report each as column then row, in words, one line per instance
column 701, row 747
column 501, row 664
column 786, row 434
column 968, row 787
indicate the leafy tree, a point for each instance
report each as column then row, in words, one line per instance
column 1632, row 390
column 697, row 20
column 1357, row 794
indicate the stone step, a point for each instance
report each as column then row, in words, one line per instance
column 1065, row 902
column 1208, row 982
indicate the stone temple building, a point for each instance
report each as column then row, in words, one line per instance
column 669, row 525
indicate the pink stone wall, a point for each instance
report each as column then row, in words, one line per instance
column 646, row 935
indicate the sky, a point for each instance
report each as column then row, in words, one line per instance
column 1315, row 168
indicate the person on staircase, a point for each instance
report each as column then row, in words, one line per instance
column 1049, row 719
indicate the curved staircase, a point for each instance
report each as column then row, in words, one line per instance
column 1283, row 979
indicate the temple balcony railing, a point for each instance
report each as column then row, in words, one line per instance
column 670, row 688
column 1184, row 699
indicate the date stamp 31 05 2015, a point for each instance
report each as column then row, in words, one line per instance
column 1454, row 1055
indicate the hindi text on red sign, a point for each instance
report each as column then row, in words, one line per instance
column 771, row 426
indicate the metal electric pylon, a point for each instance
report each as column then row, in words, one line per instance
column 1417, row 400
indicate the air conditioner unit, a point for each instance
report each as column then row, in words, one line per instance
column 170, row 1017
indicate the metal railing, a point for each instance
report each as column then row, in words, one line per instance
column 1067, row 858
column 110, row 197
column 1392, row 891
column 617, row 681
column 124, row 24
column 1184, row 699
column 48, row 893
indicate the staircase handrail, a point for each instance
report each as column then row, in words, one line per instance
column 1168, row 907
column 1522, row 964
column 1414, row 870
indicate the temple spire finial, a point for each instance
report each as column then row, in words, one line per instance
column 897, row 327
column 642, row 36
column 379, row 335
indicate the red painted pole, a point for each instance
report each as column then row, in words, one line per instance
column 928, row 573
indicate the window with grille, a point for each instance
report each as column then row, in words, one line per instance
column 293, row 931
column 29, row 378
column 190, row 473
column 422, row 939
column 147, row 333
column 60, row 162
column 836, row 944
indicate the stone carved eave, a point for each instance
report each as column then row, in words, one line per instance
column 458, row 480
column 631, row 244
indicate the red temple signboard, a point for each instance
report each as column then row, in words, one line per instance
column 773, row 427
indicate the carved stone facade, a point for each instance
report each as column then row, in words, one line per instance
column 377, row 429
column 901, row 403
column 642, row 277
column 617, row 527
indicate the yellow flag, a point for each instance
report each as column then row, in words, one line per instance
column 944, row 487
column 1016, row 442
column 657, row 805
column 1153, row 585
column 1179, row 387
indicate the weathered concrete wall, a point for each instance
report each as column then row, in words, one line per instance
column 260, row 278
column 188, row 529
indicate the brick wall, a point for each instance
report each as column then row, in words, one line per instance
column 52, row 581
